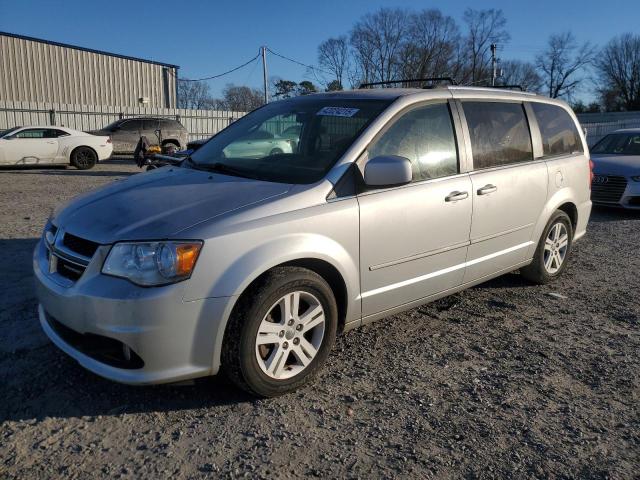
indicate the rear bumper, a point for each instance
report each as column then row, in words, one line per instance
column 173, row 338
column 104, row 151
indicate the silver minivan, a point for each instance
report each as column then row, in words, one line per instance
column 388, row 199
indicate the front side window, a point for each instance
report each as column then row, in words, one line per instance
column 618, row 144
column 131, row 125
column 290, row 141
column 499, row 133
column 425, row 136
column 558, row 130
column 32, row 133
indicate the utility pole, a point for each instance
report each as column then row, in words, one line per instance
column 494, row 64
column 264, row 74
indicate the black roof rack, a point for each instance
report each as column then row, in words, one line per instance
column 410, row 80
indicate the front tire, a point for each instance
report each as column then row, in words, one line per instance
column 84, row 158
column 552, row 253
column 281, row 332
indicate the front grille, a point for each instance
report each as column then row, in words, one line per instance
column 608, row 188
column 103, row 349
column 68, row 269
column 79, row 245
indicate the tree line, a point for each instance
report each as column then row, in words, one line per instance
column 394, row 43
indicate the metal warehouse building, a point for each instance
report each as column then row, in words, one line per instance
column 35, row 70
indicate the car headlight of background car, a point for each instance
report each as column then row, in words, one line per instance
column 152, row 263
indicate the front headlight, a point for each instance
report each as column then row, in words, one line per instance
column 636, row 178
column 152, row 263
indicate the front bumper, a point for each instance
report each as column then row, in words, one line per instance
column 629, row 197
column 174, row 338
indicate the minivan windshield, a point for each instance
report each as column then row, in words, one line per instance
column 289, row 141
column 619, row 144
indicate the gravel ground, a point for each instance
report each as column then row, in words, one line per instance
column 502, row 380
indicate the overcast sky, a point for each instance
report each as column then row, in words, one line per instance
column 206, row 38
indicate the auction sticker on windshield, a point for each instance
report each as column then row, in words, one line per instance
column 338, row 111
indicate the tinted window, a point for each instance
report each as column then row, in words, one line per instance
column 132, row 125
column 53, row 133
column 151, row 124
column 499, row 133
column 170, row 124
column 558, row 130
column 424, row 136
column 33, row 133
column 619, row 144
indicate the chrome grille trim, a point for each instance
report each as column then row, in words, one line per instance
column 608, row 188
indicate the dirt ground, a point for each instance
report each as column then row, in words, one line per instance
column 502, row 380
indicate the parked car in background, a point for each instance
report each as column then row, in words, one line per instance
column 258, row 144
column 253, row 263
column 616, row 168
column 37, row 145
column 126, row 133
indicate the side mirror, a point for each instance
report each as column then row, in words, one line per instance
column 387, row 171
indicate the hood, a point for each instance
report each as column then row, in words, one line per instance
column 624, row 165
column 160, row 203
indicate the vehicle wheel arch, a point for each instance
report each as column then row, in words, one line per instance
column 323, row 267
column 73, row 150
column 564, row 200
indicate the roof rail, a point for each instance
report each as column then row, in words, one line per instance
column 508, row 87
column 409, row 80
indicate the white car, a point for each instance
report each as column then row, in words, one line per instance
column 52, row 145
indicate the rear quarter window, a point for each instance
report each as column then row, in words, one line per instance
column 558, row 130
column 499, row 133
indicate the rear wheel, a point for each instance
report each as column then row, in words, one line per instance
column 281, row 332
column 84, row 158
column 553, row 250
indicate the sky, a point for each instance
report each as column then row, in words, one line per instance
column 209, row 37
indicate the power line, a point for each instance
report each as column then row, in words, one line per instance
column 220, row 74
column 297, row 62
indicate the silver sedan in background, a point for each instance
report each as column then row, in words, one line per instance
column 616, row 159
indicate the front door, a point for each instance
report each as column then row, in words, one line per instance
column 414, row 238
column 30, row 146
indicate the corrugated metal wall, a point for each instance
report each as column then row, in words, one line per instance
column 199, row 123
column 36, row 71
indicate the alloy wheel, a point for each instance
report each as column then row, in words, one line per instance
column 290, row 335
column 555, row 248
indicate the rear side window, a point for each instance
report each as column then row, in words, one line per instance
column 559, row 133
column 424, row 136
column 499, row 133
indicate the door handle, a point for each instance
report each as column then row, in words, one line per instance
column 487, row 189
column 455, row 196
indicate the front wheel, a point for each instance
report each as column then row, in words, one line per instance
column 553, row 250
column 281, row 332
column 83, row 158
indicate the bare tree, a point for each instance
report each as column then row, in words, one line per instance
column 377, row 40
column 516, row 72
column 193, row 94
column 561, row 64
column 333, row 55
column 618, row 68
column 241, row 98
column 484, row 27
column 430, row 49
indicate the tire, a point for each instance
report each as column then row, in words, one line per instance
column 553, row 250
column 84, row 158
column 276, row 151
column 284, row 360
column 167, row 145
